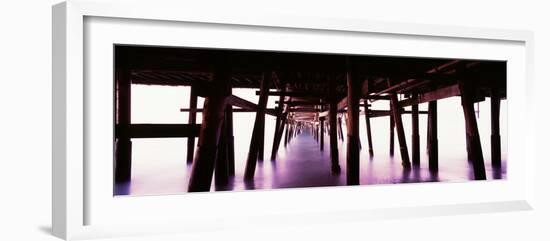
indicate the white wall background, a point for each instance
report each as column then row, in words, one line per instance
column 25, row 120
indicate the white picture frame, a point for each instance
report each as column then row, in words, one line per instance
column 74, row 200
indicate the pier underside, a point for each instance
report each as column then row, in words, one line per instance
column 324, row 128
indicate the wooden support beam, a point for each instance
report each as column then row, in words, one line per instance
column 308, row 94
column 472, row 132
column 221, row 170
column 415, row 137
column 297, row 103
column 286, row 132
column 230, row 140
column 261, row 137
column 278, row 125
column 268, row 111
column 382, row 113
column 369, row 132
column 123, row 144
column 342, row 104
column 333, row 134
column 433, row 146
column 247, row 105
column 158, row 130
column 495, row 129
column 340, row 130
column 278, row 136
column 192, row 120
column 392, row 135
column 400, row 131
column 352, row 123
column 322, row 134
column 438, row 94
column 257, row 133
column 213, row 117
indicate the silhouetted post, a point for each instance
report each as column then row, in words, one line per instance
column 495, row 129
column 468, row 150
column 432, row 137
column 352, row 123
column 278, row 136
column 396, row 112
column 286, row 132
column 415, row 137
column 213, row 117
column 123, row 148
column 333, row 134
column 340, row 131
column 230, row 140
column 192, row 120
column 221, row 169
column 392, row 135
column 279, row 126
column 322, row 135
column 369, row 133
column 467, row 96
column 257, row 136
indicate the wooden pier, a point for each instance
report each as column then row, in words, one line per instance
column 315, row 93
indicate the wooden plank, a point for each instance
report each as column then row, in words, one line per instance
column 257, row 137
column 192, row 120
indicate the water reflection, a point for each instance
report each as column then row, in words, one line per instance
column 302, row 164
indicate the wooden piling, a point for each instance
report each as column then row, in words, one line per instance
column 192, row 120
column 221, row 169
column 333, row 135
column 495, row 130
column 257, row 133
column 213, row 117
column 367, row 122
column 123, row 144
column 433, row 152
column 352, row 123
column 340, row 131
column 415, row 137
column 467, row 96
column 396, row 112
column 322, row 134
column 278, row 136
column 392, row 135
column 230, row 140
column 279, row 127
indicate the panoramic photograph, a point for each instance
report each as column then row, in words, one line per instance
column 209, row 120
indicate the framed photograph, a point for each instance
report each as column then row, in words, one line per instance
column 180, row 121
